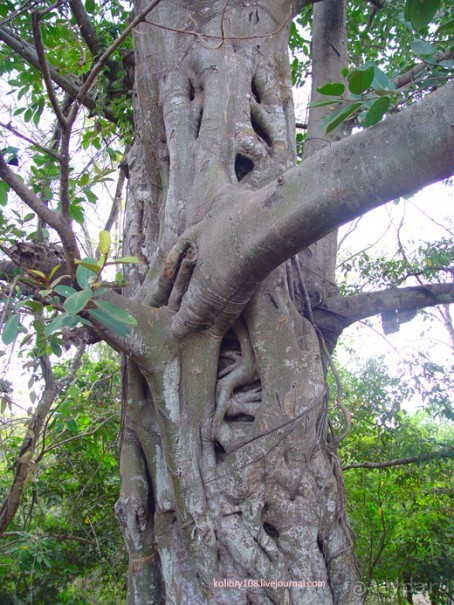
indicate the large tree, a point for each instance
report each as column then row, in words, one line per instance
column 229, row 465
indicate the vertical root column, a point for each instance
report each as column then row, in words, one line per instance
column 136, row 519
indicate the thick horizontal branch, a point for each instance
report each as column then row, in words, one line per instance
column 448, row 453
column 28, row 52
column 411, row 75
column 253, row 232
column 403, row 154
column 338, row 312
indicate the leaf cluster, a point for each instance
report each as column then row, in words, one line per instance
column 64, row 543
column 400, row 515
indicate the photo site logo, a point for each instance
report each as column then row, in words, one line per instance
column 262, row 583
column 391, row 589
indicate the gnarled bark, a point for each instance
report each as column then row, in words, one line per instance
column 229, row 427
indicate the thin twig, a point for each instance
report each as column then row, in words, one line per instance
column 222, row 37
column 28, row 140
column 37, row 37
column 448, row 453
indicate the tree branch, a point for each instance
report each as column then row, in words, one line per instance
column 28, row 140
column 448, row 453
column 105, row 56
column 85, row 25
column 409, row 76
column 338, row 312
column 52, row 218
column 25, row 463
column 28, row 52
column 258, row 230
column 44, row 65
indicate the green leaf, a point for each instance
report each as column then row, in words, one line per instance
column 86, row 271
column 10, row 330
column 127, row 260
column 91, row 266
column 54, row 271
column 376, row 111
column 360, row 79
column 72, row 426
column 407, row 11
column 339, row 116
column 76, row 302
column 65, row 290
column 64, row 320
column 421, row 12
column 104, row 242
column 332, row 89
column 90, row 6
column 56, row 348
column 4, row 188
column 381, row 80
column 77, row 213
column 446, row 28
column 84, row 179
column 116, row 312
column 38, row 273
column 110, row 322
column 421, row 47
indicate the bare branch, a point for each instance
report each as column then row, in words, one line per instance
column 448, row 453
column 339, row 312
column 52, row 218
column 117, row 198
column 85, row 25
column 28, row 140
column 44, row 65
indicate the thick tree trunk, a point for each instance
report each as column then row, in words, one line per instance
column 230, row 477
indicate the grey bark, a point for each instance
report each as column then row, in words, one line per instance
column 228, row 428
column 229, row 470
